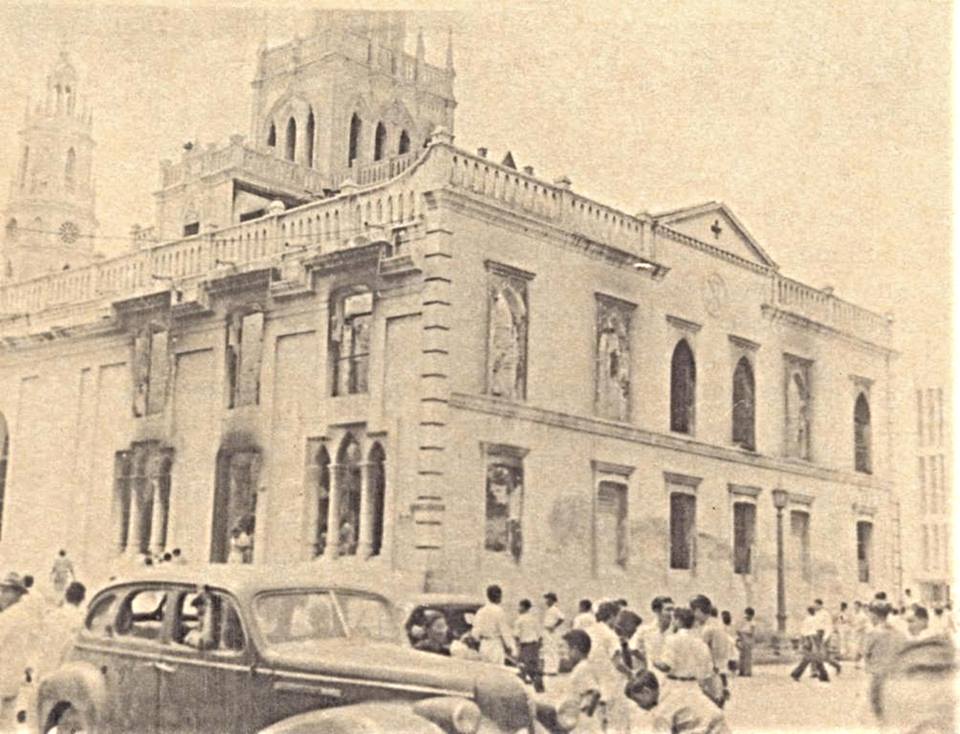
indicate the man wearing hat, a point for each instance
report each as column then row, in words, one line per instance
column 15, row 637
column 552, row 621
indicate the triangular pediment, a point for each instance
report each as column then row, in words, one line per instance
column 714, row 224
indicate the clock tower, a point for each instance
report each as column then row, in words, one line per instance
column 49, row 222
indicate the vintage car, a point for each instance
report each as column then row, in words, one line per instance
column 229, row 648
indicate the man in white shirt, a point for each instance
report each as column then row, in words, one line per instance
column 825, row 627
column 526, row 629
column 649, row 639
column 585, row 616
column 685, row 657
column 490, row 628
column 552, row 621
column 809, row 630
column 583, row 683
column 675, row 709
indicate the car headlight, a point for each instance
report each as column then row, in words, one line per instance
column 466, row 718
column 568, row 714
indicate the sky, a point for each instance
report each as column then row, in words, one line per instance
column 825, row 126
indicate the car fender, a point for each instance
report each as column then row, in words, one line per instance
column 80, row 684
column 363, row 718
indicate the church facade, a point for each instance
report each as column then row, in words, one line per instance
column 348, row 340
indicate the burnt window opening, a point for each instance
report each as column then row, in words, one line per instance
column 404, row 146
column 611, row 532
column 351, row 317
column 800, row 539
column 683, row 383
column 243, row 353
column 4, row 460
column 798, row 410
column 69, row 171
column 142, row 495
column 356, row 127
column 291, row 140
column 350, row 478
column 379, row 142
column 311, row 134
column 235, row 505
column 318, row 470
column 683, row 527
column 744, row 536
column 507, row 326
column 744, row 406
column 151, row 370
column 503, row 529
column 861, row 435
column 612, row 360
column 864, row 550
column 272, row 136
column 191, row 229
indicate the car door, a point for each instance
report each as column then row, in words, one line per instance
column 205, row 680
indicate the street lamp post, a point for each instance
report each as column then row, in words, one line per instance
column 780, row 502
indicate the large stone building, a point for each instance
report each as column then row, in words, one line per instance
column 353, row 339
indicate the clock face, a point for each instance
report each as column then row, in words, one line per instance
column 69, row 232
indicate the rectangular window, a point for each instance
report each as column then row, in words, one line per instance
column 504, row 501
column 191, row 229
column 744, row 532
column 798, row 407
column 244, row 354
column 351, row 321
column 800, row 535
column 507, row 322
column 159, row 371
column 683, row 509
column 611, row 531
column 864, row 550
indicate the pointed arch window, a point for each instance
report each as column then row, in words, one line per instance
column 744, row 405
column 861, row 434
column 356, row 127
column 69, row 171
column 319, row 471
column 272, row 136
column 291, row 140
column 4, row 458
column 347, row 513
column 371, row 528
column 404, row 146
column 683, row 382
column 379, row 142
column 311, row 133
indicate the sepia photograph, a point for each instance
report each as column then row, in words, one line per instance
column 477, row 368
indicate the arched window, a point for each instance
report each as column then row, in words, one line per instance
column 69, row 171
column 744, row 405
column 355, row 128
column 4, row 456
column 683, row 381
column 379, row 142
column 861, row 434
column 291, row 150
column 272, row 136
column 235, row 504
column 348, row 512
column 322, row 466
column 374, row 514
column 404, row 146
column 311, row 132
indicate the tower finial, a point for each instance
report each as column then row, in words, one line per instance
column 450, row 50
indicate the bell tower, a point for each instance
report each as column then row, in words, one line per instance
column 49, row 222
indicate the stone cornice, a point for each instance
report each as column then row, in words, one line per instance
column 613, row 301
column 776, row 314
column 683, row 324
column 673, row 479
column 740, row 490
column 625, row 432
column 528, row 223
column 507, row 271
column 243, row 280
column 740, row 342
column 607, row 467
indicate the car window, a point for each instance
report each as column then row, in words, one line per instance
column 296, row 616
column 141, row 615
column 209, row 621
column 368, row 617
column 100, row 616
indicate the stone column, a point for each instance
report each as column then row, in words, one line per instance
column 133, row 533
column 333, row 514
column 780, row 502
column 365, row 533
column 159, row 510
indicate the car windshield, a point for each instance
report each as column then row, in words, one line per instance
column 311, row 616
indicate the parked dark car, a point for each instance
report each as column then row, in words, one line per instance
column 280, row 650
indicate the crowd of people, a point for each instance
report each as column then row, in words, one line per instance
column 36, row 631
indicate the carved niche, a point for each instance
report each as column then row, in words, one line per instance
column 507, row 332
column 612, row 372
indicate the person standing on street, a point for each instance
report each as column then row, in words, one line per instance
column 490, row 628
column 584, row 685
column 811, row 648
column 526, row 628
column 649, row 639
column 552, row 621
column 825, row 634
column 675, row 709
column 61, row 574
column 844, row 627
column 712, row 633
column 861, row 623
column 686, row 658
column 746, row 639
column 585, row 616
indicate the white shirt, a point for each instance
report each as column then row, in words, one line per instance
column 809, row 626
column 552, row 618
column 824, row 622
column 490, row 622
column 583, row 620
column 526, row 628
column 650, row 640
column 687, row 656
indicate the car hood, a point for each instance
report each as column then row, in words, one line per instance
column 499, row 694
